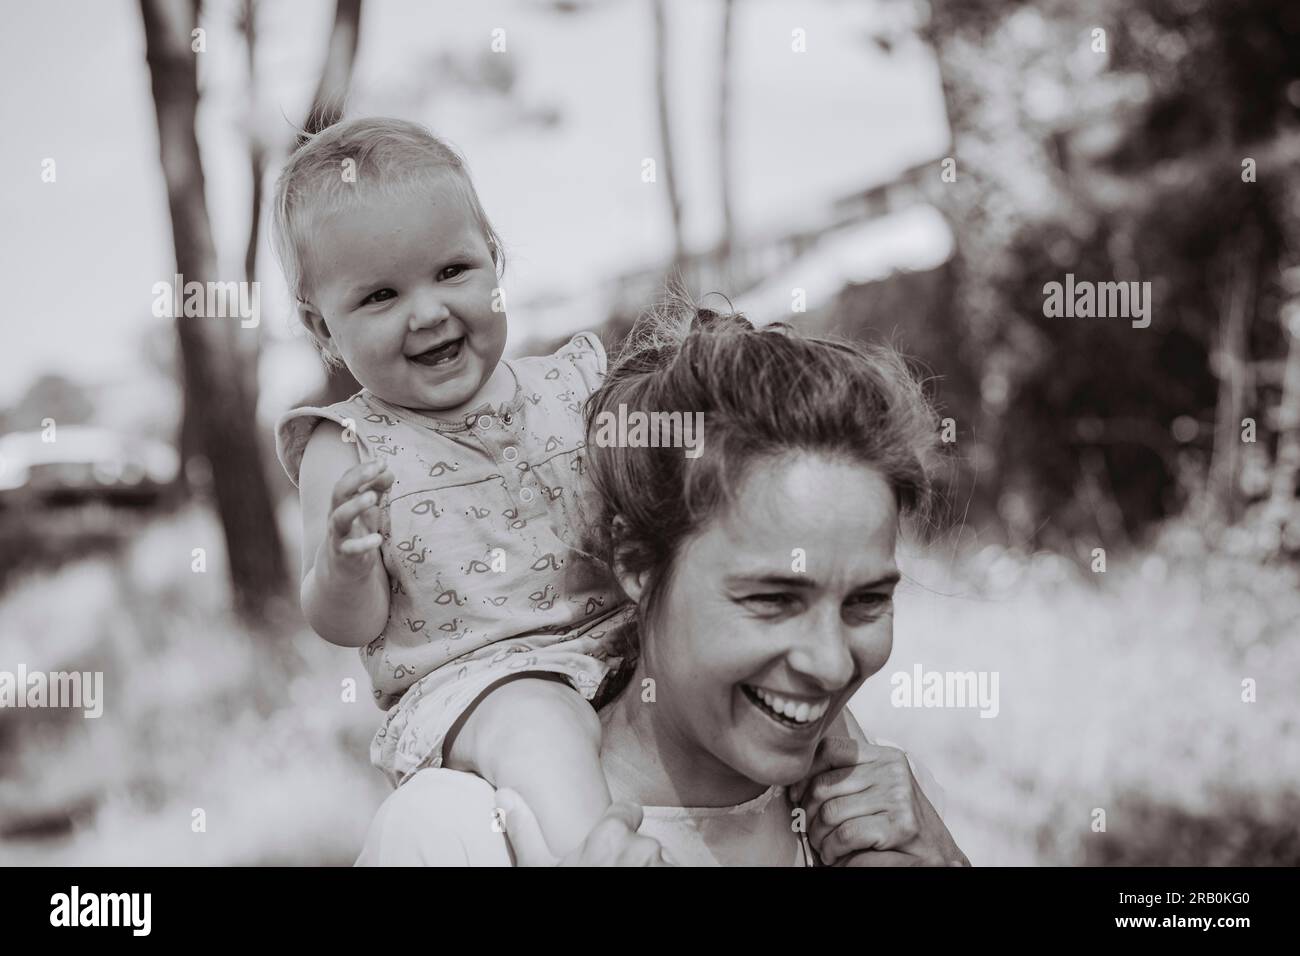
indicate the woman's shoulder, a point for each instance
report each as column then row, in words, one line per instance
column 437, row 818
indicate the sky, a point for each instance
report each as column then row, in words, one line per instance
column 81, row 254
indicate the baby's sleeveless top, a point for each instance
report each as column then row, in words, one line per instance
column 482, row 525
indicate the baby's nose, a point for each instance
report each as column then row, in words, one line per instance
column 427, row 313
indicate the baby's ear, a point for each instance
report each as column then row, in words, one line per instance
column 315, row 325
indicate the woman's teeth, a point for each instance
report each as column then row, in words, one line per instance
column 799, row 712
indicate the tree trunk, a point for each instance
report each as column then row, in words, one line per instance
column 1286, row 471
column 724, row 144
column 250, row 345
column 326, row 110
column 1230, row 365
column 336, row 75
column 665, row 131
column 962, row 204
column 215, row 398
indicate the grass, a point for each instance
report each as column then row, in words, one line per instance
column 252, row 730
column 1119, row 691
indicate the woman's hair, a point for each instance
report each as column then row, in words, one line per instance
column 763, row 393
column 349, row 162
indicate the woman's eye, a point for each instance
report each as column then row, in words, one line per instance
column 451, row 272
column 769, row 603
column 869, row 604
column 379, row 295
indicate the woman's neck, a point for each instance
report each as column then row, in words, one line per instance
column 650, row 761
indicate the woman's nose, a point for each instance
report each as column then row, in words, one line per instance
column 822, row 654
column 427, row 309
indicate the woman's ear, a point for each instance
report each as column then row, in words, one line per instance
column 632, row 583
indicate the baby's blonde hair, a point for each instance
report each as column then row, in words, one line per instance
column 347, row 161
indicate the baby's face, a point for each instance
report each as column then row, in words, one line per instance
column 402, row 289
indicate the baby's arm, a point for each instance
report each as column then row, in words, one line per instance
column 344, row 586
column 540, row 738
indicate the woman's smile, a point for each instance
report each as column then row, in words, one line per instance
column 786, row 711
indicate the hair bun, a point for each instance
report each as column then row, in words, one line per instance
column 708, row 320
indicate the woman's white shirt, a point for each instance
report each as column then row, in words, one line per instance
column 449, row 818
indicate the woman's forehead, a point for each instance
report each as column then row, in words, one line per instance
column 834, row 512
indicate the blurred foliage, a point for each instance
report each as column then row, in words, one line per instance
column 1236, row 834
column 1121, row 691
column 199, row 712
column 1118, row 165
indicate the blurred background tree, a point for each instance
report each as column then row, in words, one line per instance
column 1107, row 139
column 268, row 147
column 218, row 408
column 1112, row 141
column 220, row 362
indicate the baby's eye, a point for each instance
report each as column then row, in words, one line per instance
column 379, row 295
column 451, row 272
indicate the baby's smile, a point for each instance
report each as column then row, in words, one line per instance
column 440, row 355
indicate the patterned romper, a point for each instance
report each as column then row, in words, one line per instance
column 488, row 575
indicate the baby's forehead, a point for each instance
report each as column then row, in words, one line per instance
column 437, row 189
column 440, row 208
column 390, row 235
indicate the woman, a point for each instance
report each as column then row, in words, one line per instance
column 763, row 572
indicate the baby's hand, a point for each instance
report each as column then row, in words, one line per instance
column 352, row 538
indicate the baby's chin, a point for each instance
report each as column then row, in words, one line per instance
column 445, row 399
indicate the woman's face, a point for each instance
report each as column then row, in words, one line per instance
column 775, row 614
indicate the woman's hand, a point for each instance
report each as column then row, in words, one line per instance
column 613, row 841
column 865, row 808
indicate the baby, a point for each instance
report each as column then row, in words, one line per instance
column 441, row 503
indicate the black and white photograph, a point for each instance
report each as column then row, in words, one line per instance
column 651, row 433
